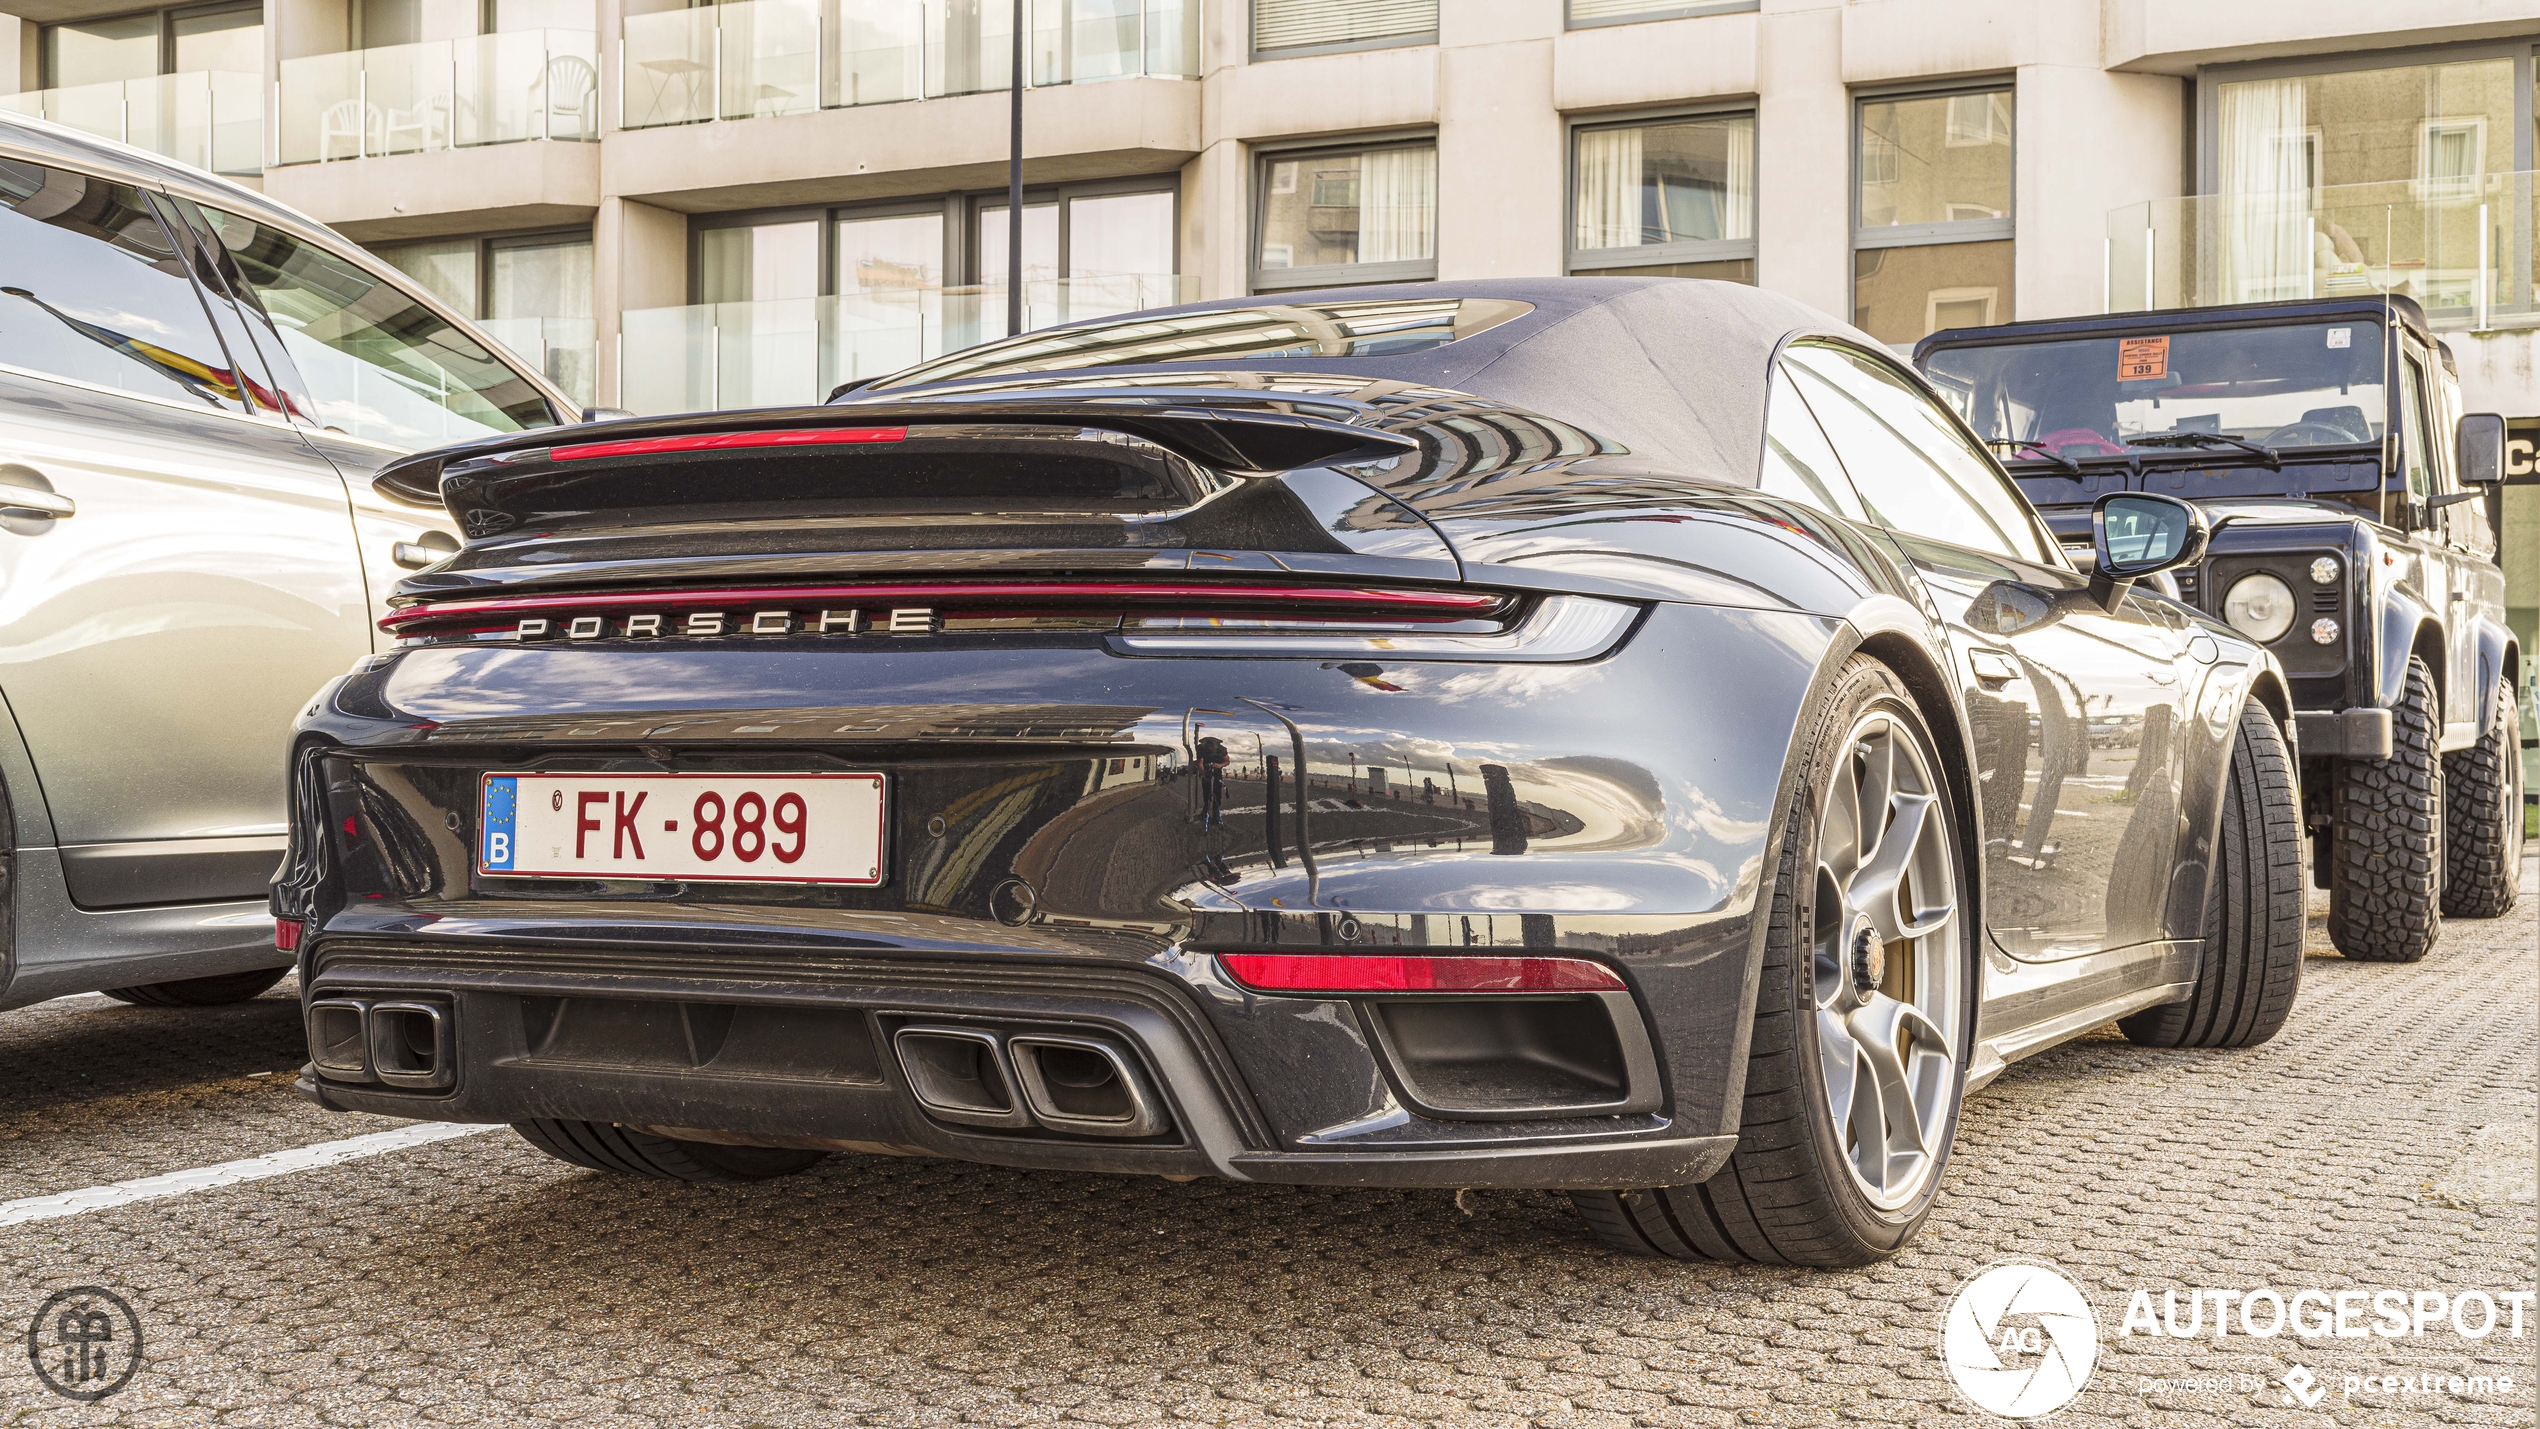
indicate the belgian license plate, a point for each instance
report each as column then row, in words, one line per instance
column 744, row 828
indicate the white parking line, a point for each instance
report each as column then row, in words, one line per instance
column 231, row 1173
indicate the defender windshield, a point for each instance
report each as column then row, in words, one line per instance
column 2317, row 384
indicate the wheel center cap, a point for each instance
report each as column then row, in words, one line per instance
column 1869, row 957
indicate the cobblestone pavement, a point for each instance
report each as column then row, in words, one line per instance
column 474, row 1281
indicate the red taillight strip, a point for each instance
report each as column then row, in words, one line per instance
column 727, row 441
column 1321, row 972
column 1431, row 603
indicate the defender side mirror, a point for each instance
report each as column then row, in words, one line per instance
column 605, row 414
column 2479, row 445
column 2134, row 534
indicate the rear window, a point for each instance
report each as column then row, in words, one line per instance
column 1379, row 328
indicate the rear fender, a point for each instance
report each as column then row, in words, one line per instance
column 2498, row 658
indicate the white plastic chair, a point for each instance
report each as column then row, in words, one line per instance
column 352, row 122
column 573, row 89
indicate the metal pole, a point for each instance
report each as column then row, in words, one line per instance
column 1014, row 190
column 2482, row 268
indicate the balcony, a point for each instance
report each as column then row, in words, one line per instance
column 755, row 58
column 2463, row 247
column 442, row 94
column 212, row 119
column 791, row 352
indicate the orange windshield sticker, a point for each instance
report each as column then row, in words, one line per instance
column 2141, row 359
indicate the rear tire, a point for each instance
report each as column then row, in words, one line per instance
column 2254, row 907
column 2482, row 818
column 214, row 991
column 607, row 1146
column 2385, row 881
column 1856, row 1063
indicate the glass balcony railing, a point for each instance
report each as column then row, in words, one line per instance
column 791, row 352
column 212, row 119
column 443, row 94
column 567, row 350
column 752, row 58
column 2463, row 247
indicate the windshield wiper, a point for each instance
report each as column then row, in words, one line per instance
column 2017, row 445
column 2209, row 439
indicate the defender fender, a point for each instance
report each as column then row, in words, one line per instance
column 2498, row 656
column 2402, row 617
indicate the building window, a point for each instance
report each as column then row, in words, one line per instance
column 1285, row 28
column 1931, row 234
column 1335, row 216
column 1665, row 197
column 1586, row 13
column 229, row 39
column 530, row 292
column 2336, row 178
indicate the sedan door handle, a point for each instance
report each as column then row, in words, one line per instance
column 431, row 548
column 26, row 501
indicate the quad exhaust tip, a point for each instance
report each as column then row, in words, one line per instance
column 411, row 1046
column 1083, row 1086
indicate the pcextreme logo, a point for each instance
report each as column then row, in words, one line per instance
column 2019, row 1340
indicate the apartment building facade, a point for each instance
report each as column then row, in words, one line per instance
column 676, row 205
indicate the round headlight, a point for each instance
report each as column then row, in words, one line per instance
column 2260, row 607
column 2324, row 571
column 2323, row 632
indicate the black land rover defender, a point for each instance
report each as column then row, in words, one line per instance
column 2356, row 518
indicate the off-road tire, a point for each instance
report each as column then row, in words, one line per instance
column 2385, row 880
column 213, row 991
column 606, row 1146
column 1784, row 1197
column 2254, row 907
column 2482, row 817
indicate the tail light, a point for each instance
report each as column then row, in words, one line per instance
column 1351, row 973
column 930, row 608
column 286, row 934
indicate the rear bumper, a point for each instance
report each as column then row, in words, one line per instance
column 2344, row 734
column 807, row 1057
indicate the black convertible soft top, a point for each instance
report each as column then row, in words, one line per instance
column 1673, row 368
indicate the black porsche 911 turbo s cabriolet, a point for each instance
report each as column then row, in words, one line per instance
column 1613, row 736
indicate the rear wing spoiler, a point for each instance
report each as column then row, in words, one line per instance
column 1234, row 441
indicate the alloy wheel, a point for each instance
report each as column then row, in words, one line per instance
column 1887, row 970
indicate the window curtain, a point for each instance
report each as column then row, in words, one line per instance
column 1609, row 189
column 2266, row 185
column 1397, row 205
column 1739, row 219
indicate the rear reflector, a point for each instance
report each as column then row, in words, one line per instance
column 728, row 441
column 1320, row 972
column 286, row 934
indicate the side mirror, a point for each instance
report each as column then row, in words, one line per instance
column 2479, row 442
column 2134, row 534
column 605, row 414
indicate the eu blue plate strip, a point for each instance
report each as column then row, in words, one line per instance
column 502, row 803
